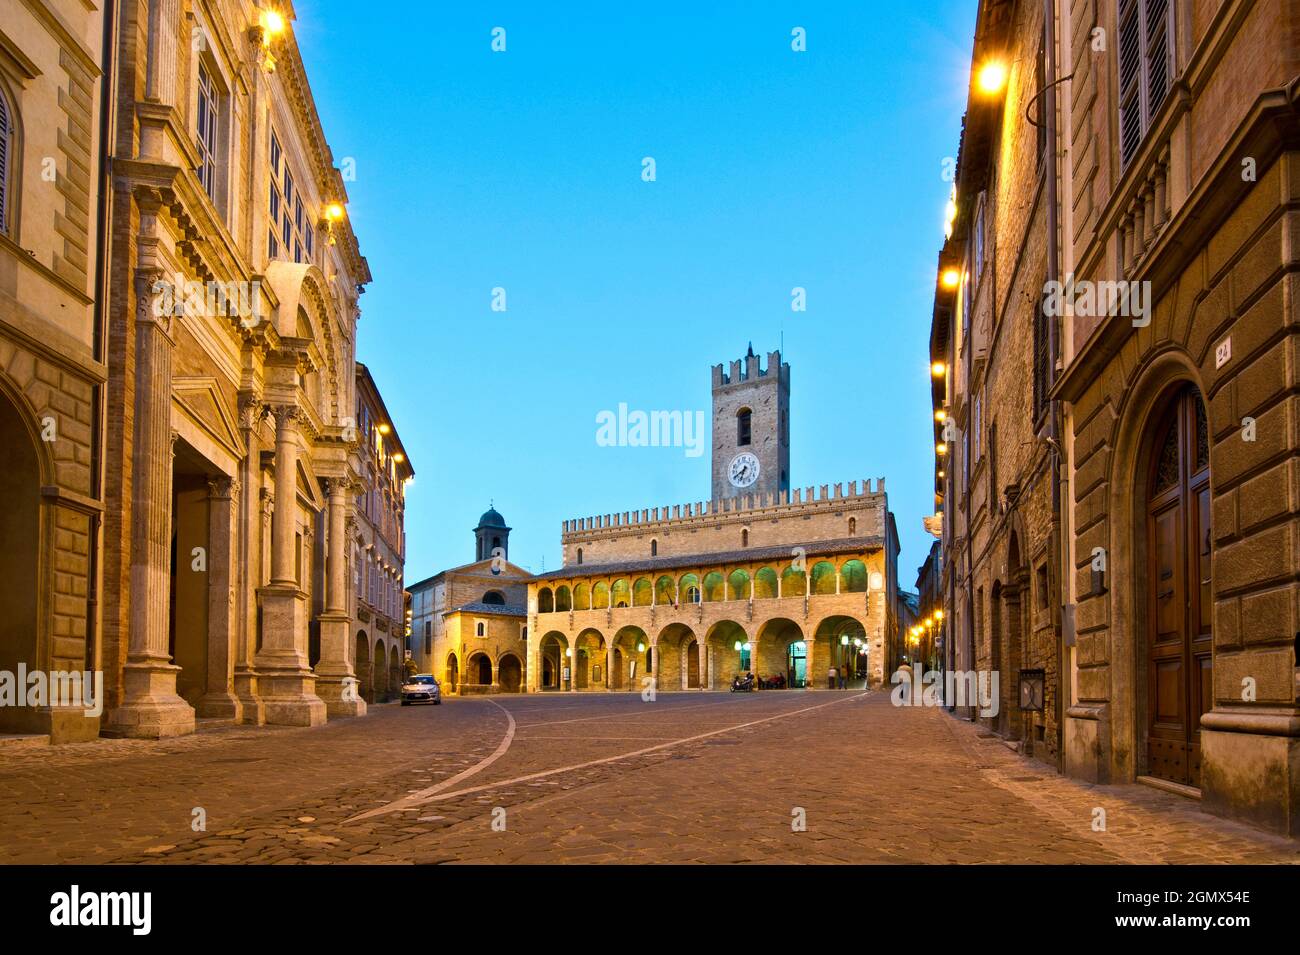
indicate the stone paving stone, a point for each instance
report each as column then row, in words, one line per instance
column 877, row 784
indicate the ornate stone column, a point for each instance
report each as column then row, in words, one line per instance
column 150, row 705
column 253, row 510
column 336, row 679
column 287, row 684
column 219, row 699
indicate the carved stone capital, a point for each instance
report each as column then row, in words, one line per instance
column 223, row 487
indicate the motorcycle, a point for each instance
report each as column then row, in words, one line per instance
column 742, row 686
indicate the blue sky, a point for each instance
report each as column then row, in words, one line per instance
column 522, row 170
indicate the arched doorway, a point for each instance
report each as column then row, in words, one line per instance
column 554, row 660
column 379, row 673
column 453, row 673
column 364, row 685
column 782, row 651
column 1178, row 638
column 481, row 666
column 394, row 672
column 20, row 564
column 510, row 673
column 731, row 651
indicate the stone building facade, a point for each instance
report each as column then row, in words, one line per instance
column 378, row 551
column 999, row 487
column 468, row 623
column 53, row 365
column 784, row 583
column 1162, row 345
column 231, row 455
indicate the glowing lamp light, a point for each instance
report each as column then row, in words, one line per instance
column 949, row 278
column 334, row 211
column 844, row 640
column 384, row 429
column 640, row 648
column 941, row 415
column 941, row 448
column 992, row 77
column 938, row 615
column 272, row 24
column 747, row 647
column 399, row 457
column 938, row 369
column 737, row 647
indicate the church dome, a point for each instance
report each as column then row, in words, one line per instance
column 491, row 518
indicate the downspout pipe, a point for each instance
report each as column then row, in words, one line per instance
column 1053, row 357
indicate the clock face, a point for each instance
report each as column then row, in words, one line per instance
column 743, row 470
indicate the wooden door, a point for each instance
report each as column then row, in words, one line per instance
column 1179, row 651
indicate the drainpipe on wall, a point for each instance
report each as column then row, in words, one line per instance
column 1053, row 357
column 108, row 83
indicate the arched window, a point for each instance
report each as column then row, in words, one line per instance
column 495, row 598
column 853, row 527
column 580, row 555
column 654, row 548
column 581, row 598
column 742, row 426
column 480, row 629
column 744, row 538
column 8, row 135
column 563, row 602
column 545, row 600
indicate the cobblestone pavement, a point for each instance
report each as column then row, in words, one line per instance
column 690, row 777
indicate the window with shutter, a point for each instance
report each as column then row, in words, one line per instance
column 7, row 124
column 1145, row 55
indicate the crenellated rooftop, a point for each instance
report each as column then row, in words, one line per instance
column 680, row 514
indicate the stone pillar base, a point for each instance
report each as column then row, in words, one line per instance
column 1087, row 743
column 289, row 697
column 250, row 704
column 1250, row 766
column 341, row 693
column 150, row 707
column 220, row 706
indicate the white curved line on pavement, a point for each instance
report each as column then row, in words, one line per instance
column 423, row 794
column 433, row 794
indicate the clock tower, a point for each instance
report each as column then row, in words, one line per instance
column 751, row 427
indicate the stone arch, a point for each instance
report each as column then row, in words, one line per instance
column 775, row 651
column 23, row 555
column 642, row 592
column 665, row 591
column 714, row 587
column 394, row 672
column 581, row 597
column 510, row 673
column 678, row 668
column 689, row 588
column 738, row 584
column 833, row 646
column 620, row 593
column 302, row 287
column 545, row 600
column 794, row 582
column 721, row 639
column 1141, row 403
column 494, row 598
column 599, row 595
column 588, row 654
column 563, row 599
column 379, row 672
column 478, row 669
column 365, row 686
column 823, row 578
column 452, row 673
column 552, row 659
column 765, row 584
column 853, row 577
column 632, row 645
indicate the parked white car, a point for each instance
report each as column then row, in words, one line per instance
column 421, row 688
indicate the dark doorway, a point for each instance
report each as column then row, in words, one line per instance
column 1179, row 641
